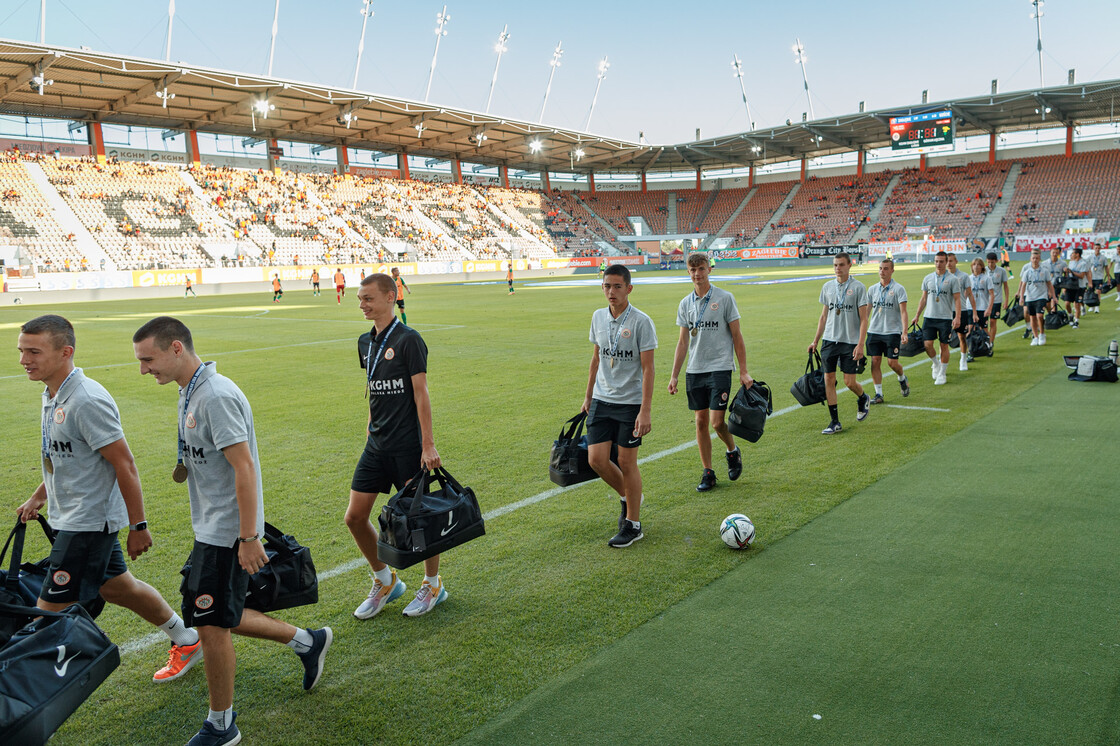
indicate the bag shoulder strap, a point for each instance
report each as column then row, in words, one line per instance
column 576, row 427
column 15, row 541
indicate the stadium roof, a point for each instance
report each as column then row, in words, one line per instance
column 112, row 89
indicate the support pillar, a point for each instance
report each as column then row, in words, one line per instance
column 861, row 162
column 503, row 171
column 591, row 183
column 922, row 162
column 96, row 141
column 750, row 177
column 804, row 167
column 1069, row 141
column 273, row 149
column 457, row 170
column 698, row 184
column 343, row 159
column 643, row 182
column 992, row 147
column 545, row 182
column 193, row 156
column 402, row 165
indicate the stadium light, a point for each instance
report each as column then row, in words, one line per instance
column 367, row 13
column 441, row 31
column 1037, row 17
column 737, row 67
column 555, row 63
column 799, row 52
column 272, row 45
column 535, row 146
column 603, row 67
column 260, row 106
column 165, row 96
column 170, row 20
column 39, row 81
column 42, row 24
column 169, row 134
column 500, row 48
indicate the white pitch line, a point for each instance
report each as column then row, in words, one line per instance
column 133, row 646
column 923, row 409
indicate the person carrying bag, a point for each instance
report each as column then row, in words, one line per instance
column 417, row 524
column 809, row 389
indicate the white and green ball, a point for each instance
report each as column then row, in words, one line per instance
column 737, row 531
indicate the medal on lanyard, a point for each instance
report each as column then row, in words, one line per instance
column 703, row 306
column 48, row 465
column 614, row 343
column 179, row 473
column 840, row 297
column 371, row 359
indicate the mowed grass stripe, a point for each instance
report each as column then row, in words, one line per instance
column 949, row 602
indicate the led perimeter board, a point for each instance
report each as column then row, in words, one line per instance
column 922, row 133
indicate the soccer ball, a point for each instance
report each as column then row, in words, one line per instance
column 737, row 531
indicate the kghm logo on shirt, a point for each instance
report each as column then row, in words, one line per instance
column 62, row 446
column 841, row 306
column 617, row 354
column 392, row 386
column 706, row 325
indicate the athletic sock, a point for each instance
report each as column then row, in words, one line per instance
column 302, row 641
column 901, row 379
column 636, row 525
column 385, row 575
column 221, row 719
column 404, row 317
column 834, row 411
column 878, row 389
column 179, row 633
column 432, row 581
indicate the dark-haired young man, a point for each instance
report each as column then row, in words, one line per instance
column 1035, row 292
column 1079, row 268
column 886, row 331
column 619, row 396
column 1001, row 291
column 843, row 327
column 399, row 440
column 941, row 290
column 218, row 459
column 92, row 490
column 1098, row 267
column 969, row 315
column 710, row 334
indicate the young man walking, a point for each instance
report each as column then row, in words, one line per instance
column 843, row 327
column 1079, row 268
column 339, row 285
column 887, row 330
column 1035, row 293
column 619, row 395
column 943, row 294
column 710, row 335
column 1001, row 292
column 91, row 490
column 218, row 459
column 315, row 283
column 402, row 288
column 1099, row 272
column 399, row 440
column 969, row 317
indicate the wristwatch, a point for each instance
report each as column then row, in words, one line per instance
column 141, row 526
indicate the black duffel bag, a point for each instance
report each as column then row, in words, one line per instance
column 47, row 669
column 979, row 343
column 21, row 581
column 1014, row 313
column 567, row 463
column 1091, row 298
column 746, row 415
column 1067, row 282
column 809, row 389
column 417, row 524
column 1056, row 319
column 915, row 342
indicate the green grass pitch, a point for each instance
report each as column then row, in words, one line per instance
column 541, row 594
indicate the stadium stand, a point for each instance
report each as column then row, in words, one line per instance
column 1052, row 189
column 953, row 200
column 830, row 210
column 26, row 220
column 753, row 219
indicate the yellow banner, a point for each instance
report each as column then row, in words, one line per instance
column 147, row 278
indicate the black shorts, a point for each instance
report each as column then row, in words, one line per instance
column 315, row 285
column 996, row 309
column 835, row 354
column 214, row 589
column 937, row 329
column 883, row 345
column 612, row 423
column 1074, row 296
column 400, row 304
column 384, row 471
column 79, row 564
column 1036, row 307
column 708, row 390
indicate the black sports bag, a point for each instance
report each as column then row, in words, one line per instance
column 979, row 343
column 1091, row 298
column 1014, row 313
column 746, row 416
column 1056, row 319
column 47, row 669
column 809, row 389
column 567, row 463
column 417, row 524
column 915, row 342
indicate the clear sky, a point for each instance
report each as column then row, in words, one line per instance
column 670, row 62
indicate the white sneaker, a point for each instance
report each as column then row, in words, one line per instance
column 426, row 598
column 964, row 363
column 1034, row 341
column 380, row 595
column 933, row 363
column 940, row 380
column 1042, row 339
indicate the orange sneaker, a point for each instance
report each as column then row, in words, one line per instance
column 179, row 661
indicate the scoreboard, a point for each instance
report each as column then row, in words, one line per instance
column 922, row 133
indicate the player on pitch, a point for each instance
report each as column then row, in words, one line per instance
column 619, row 396
column 1036, row 291
column 887, row 329
column 339, row 285
column 399, row 440
column 1001, row 291
column 843, row 326
column 402, row 288
column 92, row 490
column 710, row 333
column 944, row 314
column 219, row 461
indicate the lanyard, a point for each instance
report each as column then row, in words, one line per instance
column 699, row 306
column 614, row 342
column 49, row 420
column 186, row 403
column 371, row 360
column 840, row 295
column 938, row 281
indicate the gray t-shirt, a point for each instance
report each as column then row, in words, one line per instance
column 886, row 313
column 997, row 277
column 218, row 416
column 939, row 290
column 847, row 298
column 1097, row 263
column 980, row 285
column 621, row 340
column 712, row 349
column 1035, row 280
column 1055, row 268
column 82, row 493
column 964, row 285
column 1080, row 265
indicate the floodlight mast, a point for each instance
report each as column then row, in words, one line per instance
column 441, row 31
column 500, row 48
column 1037, row 16
column 367, row 13
column 555, row 63
column 799, row 51
column 42, row 21
column 603, row 67
column 170, row 21
column 737, row 66
column 272, row 45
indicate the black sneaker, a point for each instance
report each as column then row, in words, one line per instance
column 863, row 407
column 1027, row 333
column 734, row 464
column 877, row 399
column 629, row 533
column 211, row 736
column 707, row 481
column 833, row 428
column 622, row 518
column 313, row 659
column 905, row 386
column 969, row 358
